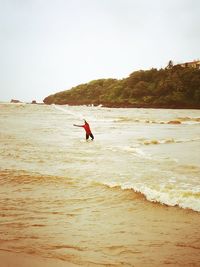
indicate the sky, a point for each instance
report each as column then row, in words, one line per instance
column 47, row 46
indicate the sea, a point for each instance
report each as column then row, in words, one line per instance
column 59, row 193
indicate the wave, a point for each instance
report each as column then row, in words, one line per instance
column 189, row 120
column 170, row 193
column 131, row 149
column 136, row 120
column 166, row 141
column 167, row 195
column 176, row 121
column 23, row 177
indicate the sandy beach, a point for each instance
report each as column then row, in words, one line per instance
column 10, row 259
column 157, row 236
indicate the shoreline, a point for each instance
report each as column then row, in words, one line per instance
column 123, row 105
column 113, row 105
column 157, row 235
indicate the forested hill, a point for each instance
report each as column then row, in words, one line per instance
column 176, row 87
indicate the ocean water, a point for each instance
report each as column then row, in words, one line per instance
column 56, row 188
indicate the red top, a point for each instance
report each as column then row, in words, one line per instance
column 87, row 128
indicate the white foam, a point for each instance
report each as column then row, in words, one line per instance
column 132, row 150
column 168, row 195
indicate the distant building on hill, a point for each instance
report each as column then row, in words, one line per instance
column 193, row 64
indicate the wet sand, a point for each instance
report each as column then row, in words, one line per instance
column 10, row 259
column 156, row 235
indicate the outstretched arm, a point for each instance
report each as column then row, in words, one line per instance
column 77, row 125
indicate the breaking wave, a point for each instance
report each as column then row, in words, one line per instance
column 166, row 141
column 181, row 120
column 166, row 194
column 189, row 120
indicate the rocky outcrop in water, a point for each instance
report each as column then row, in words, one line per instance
column 15, row 101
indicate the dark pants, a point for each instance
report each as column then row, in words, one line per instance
column 89, row 135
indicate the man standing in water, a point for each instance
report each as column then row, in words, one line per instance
column 86, row 126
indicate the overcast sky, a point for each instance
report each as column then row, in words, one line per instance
column 47, row 46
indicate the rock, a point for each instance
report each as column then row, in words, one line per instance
column 15, row 101
column 34, row 102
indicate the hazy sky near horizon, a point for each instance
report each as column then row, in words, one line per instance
column 47, row 46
